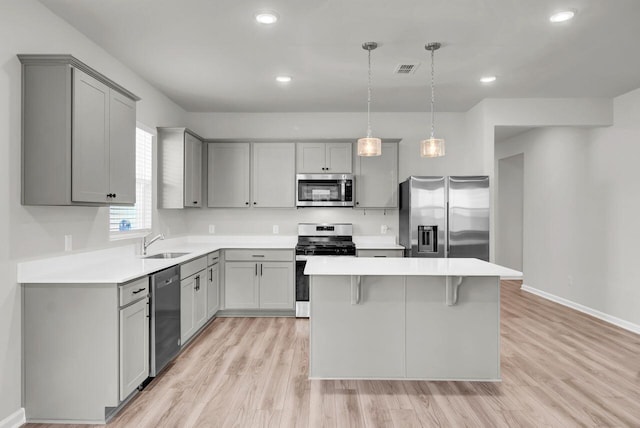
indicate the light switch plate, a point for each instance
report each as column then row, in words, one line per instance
column 276, row 229
column 68, row 242
column 212, row 228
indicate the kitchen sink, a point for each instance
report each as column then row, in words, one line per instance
column 165, row 256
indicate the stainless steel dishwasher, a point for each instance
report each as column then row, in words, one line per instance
column 165, row 318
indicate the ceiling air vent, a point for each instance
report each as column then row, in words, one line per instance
column 406, row 68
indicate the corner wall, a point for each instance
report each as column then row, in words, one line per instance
column 581, row 202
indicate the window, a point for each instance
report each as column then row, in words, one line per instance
column 127, row 221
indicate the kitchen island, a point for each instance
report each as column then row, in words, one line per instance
column 405, row 318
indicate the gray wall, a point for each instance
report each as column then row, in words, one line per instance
column 509, row 221
column 581, row 209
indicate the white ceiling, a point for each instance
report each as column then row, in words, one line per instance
column 211, row 56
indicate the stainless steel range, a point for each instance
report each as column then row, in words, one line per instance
column 319, row 239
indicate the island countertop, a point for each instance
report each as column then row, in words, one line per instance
column 405, row 267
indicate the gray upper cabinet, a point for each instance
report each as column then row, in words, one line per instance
column 260, row 175
column 324, row 158
column 377, row 178
column 179, row 168
column 228, row 175
column 122, row 153
column 78, row 134
column 274, row 172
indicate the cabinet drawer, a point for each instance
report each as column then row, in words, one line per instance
column 213, row 258
column 380, row 253
column 134, row 290
column 189, row 268
column 258, row 255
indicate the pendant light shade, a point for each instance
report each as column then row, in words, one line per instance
column 432, row 147
column 369, row 146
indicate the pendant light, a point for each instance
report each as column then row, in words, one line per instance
column 369, row 146
column 432, row 147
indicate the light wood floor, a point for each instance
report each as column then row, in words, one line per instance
column 560, row 368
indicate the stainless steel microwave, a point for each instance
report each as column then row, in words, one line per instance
column 325, row 190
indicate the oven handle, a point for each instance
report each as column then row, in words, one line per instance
column 302, row 258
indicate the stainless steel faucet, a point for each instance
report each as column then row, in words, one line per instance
column 145, row 243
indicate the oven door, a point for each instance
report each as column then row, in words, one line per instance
column 324, row 190
column 302, row 289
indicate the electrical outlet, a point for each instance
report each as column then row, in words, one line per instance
column 212, row 228
column 570, row 280
column 384, row 229
column 276, row 229
column 68, row 242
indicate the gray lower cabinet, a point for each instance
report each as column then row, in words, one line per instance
column 85, row 349
column 179, row 168
column 193, row 301
column 259, row 279
column 78, row 134
column 377, row 178
column 213, row 289
column 241, row 286
column 276, row 285
column 380, row 253
column 324, row 157
column 134, row 346
column 243, row 174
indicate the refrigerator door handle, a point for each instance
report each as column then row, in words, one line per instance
column 448, row 229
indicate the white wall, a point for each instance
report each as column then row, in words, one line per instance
column 581, row 202
column 28, row 232
column 462, row 158
column 509, row 218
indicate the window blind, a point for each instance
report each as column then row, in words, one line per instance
column 137, row 217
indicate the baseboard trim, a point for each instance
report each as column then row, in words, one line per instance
column 14, row 420
column 619, row 322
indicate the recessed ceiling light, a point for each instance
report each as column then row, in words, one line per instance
column 562, row 16
column 267, row 17
column 283, row 79
column 488, row 79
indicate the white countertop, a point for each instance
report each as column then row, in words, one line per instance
column 121, row 264
column 376, row 242
column 405, row 267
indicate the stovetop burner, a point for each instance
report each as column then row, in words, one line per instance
column 325, row 239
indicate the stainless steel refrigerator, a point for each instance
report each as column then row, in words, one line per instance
column 445, row 216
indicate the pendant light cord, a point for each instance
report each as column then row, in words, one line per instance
column 369, row 98
column 433, row 94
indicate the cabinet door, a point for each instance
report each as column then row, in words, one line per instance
column 310, row 158
column 187, row 306
column 89, row 139
column 338, row 158
column 274, row 173
column 377, row 179
column 241, row 285
column 213, row 290
column 276, row 285
column 122, row 149
column 200, row 301
column 134, row 347
column 192, row 171
column 228, row 174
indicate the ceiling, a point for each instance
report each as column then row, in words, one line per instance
column 211, row 55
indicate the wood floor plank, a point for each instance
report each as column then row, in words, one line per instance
column 559, row 368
